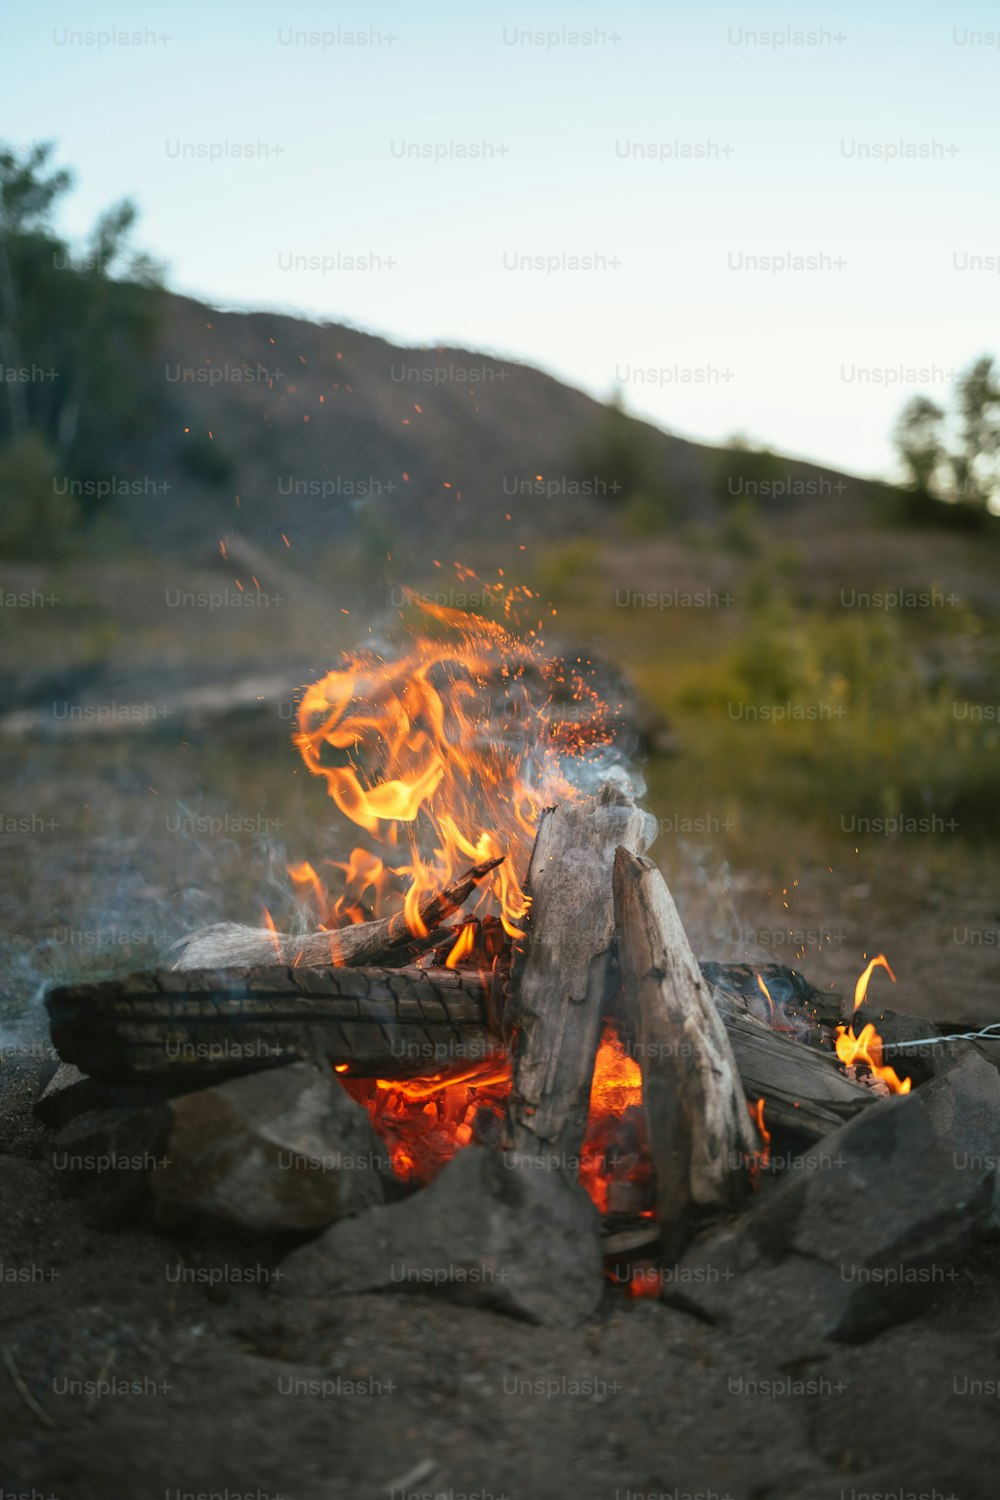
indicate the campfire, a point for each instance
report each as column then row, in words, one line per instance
column 496, row 963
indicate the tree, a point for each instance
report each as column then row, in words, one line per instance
column 964, row 471
column 69, row 328
column 979, row 406
column 918, row 441
column 26, row 202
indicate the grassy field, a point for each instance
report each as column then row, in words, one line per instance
column 834, row 790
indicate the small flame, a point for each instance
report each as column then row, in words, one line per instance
column 867, row 1047
column 861, row 988
column 767, row 995
column 269, row 924
column 615, row 1147
column 463, row 946
column 760, row 1159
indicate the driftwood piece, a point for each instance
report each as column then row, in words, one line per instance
column 560, row 978
column 696, row 1113
column 169, row 1025
column 231, row 945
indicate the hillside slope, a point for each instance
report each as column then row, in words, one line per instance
column 314, row 428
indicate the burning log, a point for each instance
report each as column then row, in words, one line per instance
column 560, row 979
column 385, row 943
column 696, row 1112
column 194, row 1026
column 179, row 1026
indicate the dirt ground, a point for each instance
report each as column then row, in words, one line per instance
column 137, row 1365
column 113, row 846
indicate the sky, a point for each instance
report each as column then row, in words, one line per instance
column 777, row 221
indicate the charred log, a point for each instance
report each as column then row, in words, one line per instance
column 197, row 1026
column 168, row 1026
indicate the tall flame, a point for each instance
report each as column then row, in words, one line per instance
column 444, row 752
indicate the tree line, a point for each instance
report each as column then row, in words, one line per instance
column 73, row 325
column 954, row 457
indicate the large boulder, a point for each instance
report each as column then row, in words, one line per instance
column 862, row 1230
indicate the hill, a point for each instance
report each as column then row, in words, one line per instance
column 327, row 430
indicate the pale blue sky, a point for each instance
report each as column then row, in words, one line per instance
column 784, row 127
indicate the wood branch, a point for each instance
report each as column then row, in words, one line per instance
column 383, row 943
column 696, row 1113
column 559, row 983
column 169, row 1025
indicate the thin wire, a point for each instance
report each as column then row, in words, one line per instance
column 956, row 1036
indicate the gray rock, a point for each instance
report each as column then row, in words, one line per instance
column 278, row 1152
column 493, row 1231
column 862, row 1233
column 105, row 1156
column 69, row 1092
column 965, row 1108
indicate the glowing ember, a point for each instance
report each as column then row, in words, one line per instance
column 645, row 1280
column 615, row 1167
column 424, row 1121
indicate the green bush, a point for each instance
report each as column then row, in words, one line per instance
column 35, row 522
column 878, row 736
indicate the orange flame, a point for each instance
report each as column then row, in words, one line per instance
column 767, row 994
column 861, row 988
column 760, row 1159
column 615, row 1145
column 269, row 924
column 463, row 946
column 445, row 754
column 867, row 1047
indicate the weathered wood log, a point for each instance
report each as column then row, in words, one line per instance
column 699, row 1125
column 172, row 1026
column 559, row 980
column 197, row 1026
column 803, row 1088
column 384, row 943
